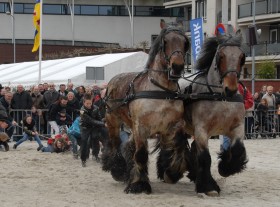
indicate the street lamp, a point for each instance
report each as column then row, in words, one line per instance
column 253, row 50
column 13, row 23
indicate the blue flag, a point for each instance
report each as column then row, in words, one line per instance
column 196, row 36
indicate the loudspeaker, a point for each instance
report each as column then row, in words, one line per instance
column 252, row 38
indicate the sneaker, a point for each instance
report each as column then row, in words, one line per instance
column 83, row 163
column 15, row 146
column 40, row 147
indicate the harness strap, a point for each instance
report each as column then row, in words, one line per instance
column 165, row 95
column 210, row 97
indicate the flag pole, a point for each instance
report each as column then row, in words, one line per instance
column 41, row 45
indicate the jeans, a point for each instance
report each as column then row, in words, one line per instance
column 124, row 136
column 73, row 139
column 26, row 137
column 49, row 148
column 54, row 127
column 225, row 142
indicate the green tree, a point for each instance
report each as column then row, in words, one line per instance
column 266, row 69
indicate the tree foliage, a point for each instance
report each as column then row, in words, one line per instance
column 266, row 70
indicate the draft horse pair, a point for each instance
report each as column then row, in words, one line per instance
column 152, row 105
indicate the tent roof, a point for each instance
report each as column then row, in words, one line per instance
column 60, row 70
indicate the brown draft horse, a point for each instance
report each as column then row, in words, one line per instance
column 218, row 110
column 147, row 103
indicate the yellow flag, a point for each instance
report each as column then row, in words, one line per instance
column 36, row 23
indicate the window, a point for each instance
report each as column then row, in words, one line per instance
column 159, row 11
column 143, row 11
column 178, row 12
column 94, row 10
column 123, row 11
column 28, row 8
column 200, row 6
column 52, row 9
column 2, row 7
column 106, row 10
column 273, row 36
column 89, row 10
column 19, row 8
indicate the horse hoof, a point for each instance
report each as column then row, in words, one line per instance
column 212, row 193
column 138, row 187
column 171, row 179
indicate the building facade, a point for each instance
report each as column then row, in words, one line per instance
column 99, row 23
column 239, row 14
column 94, row 21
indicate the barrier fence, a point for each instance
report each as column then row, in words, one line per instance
column 257, row 124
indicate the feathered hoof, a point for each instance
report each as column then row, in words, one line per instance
column 172, row 177
column 119, row 168
column 138, row 187
column 106, row 160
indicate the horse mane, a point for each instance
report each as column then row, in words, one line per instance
column 156, row 46
column 210, row 47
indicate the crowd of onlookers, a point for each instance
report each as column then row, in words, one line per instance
column 40, row 100
column 264, row 116
column 46, row 110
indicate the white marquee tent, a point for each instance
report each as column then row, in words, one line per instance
column 71, row 69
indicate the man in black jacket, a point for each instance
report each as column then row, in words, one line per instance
column 6, row 103
column 3, row 125
column 21, row 100
column 92, row 128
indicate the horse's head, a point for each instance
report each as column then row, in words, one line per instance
column 174, row 45
column 229, row 62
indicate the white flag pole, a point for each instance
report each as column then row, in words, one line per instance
column 41, row 45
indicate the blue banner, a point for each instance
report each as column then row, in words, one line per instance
column 196, row 36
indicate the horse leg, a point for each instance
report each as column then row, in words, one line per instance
column 139, row 181
column 128, row 153
column 232, row 160
column 112, row 159
column 172, row 161
column 204, row 181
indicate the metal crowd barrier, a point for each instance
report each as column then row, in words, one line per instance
column 257, row 125
column 262, row 125
column 41, row 122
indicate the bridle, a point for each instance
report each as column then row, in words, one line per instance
column 217, row 61
column 167, row 58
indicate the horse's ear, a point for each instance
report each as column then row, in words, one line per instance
column 162, row 24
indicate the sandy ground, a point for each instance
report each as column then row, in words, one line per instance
column 29, row 179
